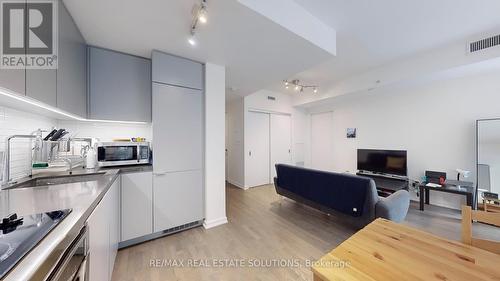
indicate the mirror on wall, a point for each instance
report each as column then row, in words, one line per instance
column 488, row 155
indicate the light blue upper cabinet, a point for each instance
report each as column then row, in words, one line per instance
column 13, row 80
column 41, row 85
column 177, row 71
column 66, row 87
column 119, row 86
column 72, row 68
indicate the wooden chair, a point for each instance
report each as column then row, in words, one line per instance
column 468, row 215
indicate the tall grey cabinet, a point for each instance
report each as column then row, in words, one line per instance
column 178, row 141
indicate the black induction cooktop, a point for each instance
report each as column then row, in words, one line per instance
column 18, row 235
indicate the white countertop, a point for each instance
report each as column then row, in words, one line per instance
column 81, row 197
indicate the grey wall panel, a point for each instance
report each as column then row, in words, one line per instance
column 173, row 70
column 120, row 86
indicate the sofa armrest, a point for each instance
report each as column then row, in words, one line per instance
column 394, row 207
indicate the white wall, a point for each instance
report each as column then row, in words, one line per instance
column 215, row 186
column 14, row 122
column 434, row 122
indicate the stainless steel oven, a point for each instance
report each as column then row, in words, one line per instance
column 122, row 153
column 74, row 265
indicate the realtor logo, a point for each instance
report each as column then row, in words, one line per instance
column 29, row 35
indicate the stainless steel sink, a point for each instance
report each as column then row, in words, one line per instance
column 5, row 250
column 44, row 181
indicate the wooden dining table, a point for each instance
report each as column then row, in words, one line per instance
column 384, row 250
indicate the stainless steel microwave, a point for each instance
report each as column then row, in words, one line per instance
column 122, row 153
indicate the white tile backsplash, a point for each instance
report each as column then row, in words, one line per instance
column 106, row 131
column 14, row 122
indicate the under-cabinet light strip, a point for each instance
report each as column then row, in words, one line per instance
column 19, row 97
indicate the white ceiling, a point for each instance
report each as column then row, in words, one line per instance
column 256, row 51
column 374, row 33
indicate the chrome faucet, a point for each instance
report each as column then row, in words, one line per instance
column 70, row 165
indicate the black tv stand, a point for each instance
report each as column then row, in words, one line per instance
column 386, row 184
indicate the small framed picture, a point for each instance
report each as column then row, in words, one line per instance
column 351, row 133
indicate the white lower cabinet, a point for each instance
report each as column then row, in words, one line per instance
column 136, row 205
column 104, row 230
column 178, row 199
column 115, row 223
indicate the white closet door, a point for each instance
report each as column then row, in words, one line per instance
column 258, row 149
column 322, row 141
column 281, row 141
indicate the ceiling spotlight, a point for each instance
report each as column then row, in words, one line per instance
column 286, row 83
column 192, row 40
column 315, row 90
column 297, row 87
column 202, row 14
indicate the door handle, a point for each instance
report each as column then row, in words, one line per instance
column 159, row 173
column 249, row 153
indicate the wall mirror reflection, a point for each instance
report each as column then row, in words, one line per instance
column 488, row 156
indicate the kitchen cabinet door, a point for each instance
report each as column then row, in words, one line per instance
column 114, row 222
column 136, row 205
column 65, row 87
column 177, row 71
column 103, row 226
column 177, row 128
column 98, row 224
column 13, row 80
column 72, row 66
column 178, row 199
column 119, row 86
column 41, row 85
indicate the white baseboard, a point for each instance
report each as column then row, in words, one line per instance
column 237, row 184
column 214, row 223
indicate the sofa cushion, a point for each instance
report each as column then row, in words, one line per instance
column 342, row 192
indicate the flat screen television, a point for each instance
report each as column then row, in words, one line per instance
column 393, row 162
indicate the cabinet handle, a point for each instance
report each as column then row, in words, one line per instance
column 159, row 173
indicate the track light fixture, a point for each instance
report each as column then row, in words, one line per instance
column 199, row 15
column 298, row 87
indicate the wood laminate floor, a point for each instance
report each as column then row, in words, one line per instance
column 260, row 240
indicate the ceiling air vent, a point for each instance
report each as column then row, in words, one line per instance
column 484, row 44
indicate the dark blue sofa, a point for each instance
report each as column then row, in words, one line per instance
column 354, row 197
